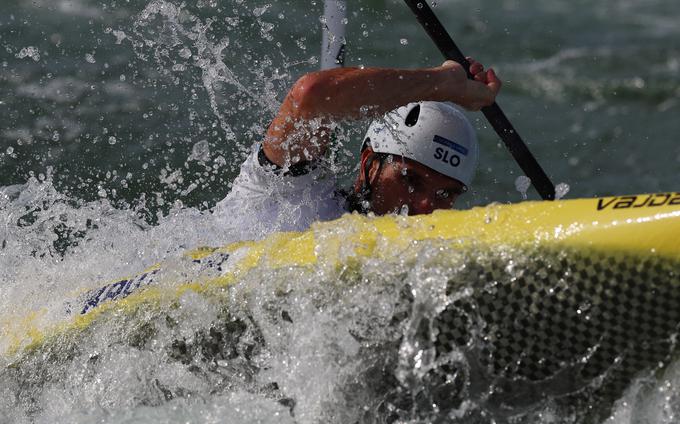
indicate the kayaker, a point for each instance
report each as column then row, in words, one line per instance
column 419, row 157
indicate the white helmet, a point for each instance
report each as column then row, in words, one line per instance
column 437, row 135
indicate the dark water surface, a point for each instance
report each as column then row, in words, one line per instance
column 111, row 101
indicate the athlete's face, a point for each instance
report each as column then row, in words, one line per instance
column 403, row 183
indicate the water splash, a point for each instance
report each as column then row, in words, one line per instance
column 561, row 190
column 522, row 184
column 53, row 243
column 30, row 52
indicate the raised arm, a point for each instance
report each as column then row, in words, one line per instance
column 300, row 130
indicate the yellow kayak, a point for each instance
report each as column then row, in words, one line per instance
column 568, row 291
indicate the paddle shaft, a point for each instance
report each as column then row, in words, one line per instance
column 493, row 113
column 333, row 28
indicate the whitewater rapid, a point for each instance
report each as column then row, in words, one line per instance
column 123, row 125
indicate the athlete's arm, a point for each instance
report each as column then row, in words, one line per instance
column 299, row 132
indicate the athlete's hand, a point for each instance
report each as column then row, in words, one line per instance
column 474, row 94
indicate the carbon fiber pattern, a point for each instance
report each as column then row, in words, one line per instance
column 608, row 317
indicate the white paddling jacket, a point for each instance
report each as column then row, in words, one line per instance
column 265, row 198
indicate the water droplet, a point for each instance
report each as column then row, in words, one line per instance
column 522, row 184
column 561, row 190
column 259, row 11
column 185, row 53
column 30, row 52
column 112, row 140
column 200, row 152
column 120, row 36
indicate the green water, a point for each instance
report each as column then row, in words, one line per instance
column 592, row 88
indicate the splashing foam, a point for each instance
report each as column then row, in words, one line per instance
column 329, row 343
column 650, row 400
column 54, row 246
column 178, row 25
column 30, row 52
